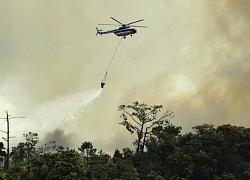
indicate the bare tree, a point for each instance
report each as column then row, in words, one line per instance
column 7, row 139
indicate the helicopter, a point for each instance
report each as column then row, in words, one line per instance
column 123, row 31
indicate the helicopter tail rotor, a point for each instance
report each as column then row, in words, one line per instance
column 98, row 31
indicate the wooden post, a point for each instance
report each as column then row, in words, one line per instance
column 7, row 139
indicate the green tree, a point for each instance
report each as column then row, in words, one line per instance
column 244, row 147
column 142, row 119
column 163, row 141
column 204, row 148
column 124, row 169
column 31, row 140
column 246, row 174
column 218, row 153
column 2, row 173
column 2, row 152
column 101, row 167
column 227, row 176
column 30, row 149
column 48, row 147
column 87, row 149
column 118, row 154
column 178, row 166
column 235, row 148
column 128, row 154
column 21, row 156
column 69, row 165
column 18, row 153
column 38, row 168
column 17, row 172
column 25, row 150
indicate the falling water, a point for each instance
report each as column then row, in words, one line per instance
column 50, row 115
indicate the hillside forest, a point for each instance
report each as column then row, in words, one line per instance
column 160, row 151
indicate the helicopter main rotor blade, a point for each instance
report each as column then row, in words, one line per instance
column 139, row 26
column 135, row 22
column 110, row 24
column 116, row 20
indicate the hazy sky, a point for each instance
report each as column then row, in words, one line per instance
column 193, row 58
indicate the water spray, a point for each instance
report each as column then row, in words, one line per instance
column 52, row 114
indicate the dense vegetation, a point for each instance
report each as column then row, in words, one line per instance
column 161, row 152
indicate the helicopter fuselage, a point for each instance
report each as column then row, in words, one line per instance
column 125, row 31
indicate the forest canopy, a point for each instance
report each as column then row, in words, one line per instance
column 160, row 152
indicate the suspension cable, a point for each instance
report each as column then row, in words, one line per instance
column 114, row 54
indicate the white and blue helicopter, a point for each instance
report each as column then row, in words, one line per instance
column 123, row 31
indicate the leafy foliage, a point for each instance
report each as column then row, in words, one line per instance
column 2, row 152
column 220, row 152
column 142, row 119
column 69, row 165
column 208, row 152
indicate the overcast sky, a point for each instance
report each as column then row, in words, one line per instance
column 193, row 59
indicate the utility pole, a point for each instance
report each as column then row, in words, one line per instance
column 7, row 139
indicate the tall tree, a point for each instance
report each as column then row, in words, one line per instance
column 87, row 149
column 31, row 140
column 141, row 118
